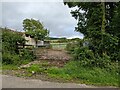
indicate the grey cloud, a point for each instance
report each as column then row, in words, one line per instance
column 54, row 15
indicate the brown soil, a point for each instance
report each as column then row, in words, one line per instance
column 54, row 57
column 51, row 54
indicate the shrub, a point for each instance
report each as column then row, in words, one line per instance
column 10, row 39
column 89, row 59
column 81, row 53
column 74, row 44
column 8, row 58
column 26, row 54
column 103, row 61
column 10, row 52
column 17, row 59
column 89, row 56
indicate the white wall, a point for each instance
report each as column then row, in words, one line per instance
column 40, row 43
column 30, row 41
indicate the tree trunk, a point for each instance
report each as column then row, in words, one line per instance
column 103, row 17
column 103, row 25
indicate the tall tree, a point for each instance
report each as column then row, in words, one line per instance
column 35, row 29
column 95, row 21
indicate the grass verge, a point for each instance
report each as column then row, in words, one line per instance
column 9, row 67
column 73, row 71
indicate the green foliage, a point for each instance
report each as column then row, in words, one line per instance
column 58, row 46
column 37, row 68
column 9, row 67
column 26, row 54
column 8, row 58
column 83, row 53
column 10, row 51
column 56, row 40
column 35, row 29
column 34, row 68
column 70, row 47
column 72, row 44
column 99, row 22
column 10, row 39
column 17, row 59
column 94, row 75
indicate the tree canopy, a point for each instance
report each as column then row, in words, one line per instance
column 99, row 22
column 35, row 29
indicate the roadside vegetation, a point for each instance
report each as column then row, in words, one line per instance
column 80, row 70
column 94, row 75
column 13, row 42
column 99, row 51
column 73, row 72
column 11, row 54
column 95, row 58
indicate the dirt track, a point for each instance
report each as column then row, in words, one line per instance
column 51, row 54
column 56, row 58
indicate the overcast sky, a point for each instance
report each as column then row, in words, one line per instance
column 55, row 16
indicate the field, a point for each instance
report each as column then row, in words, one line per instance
column 58, row 46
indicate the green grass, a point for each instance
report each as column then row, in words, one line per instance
column 38, row 68
column 72, row 71
column 58, row 45
column 95, row 76
column 34, row 68
column 9, row 67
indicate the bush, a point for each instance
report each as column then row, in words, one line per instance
column 89, row 59
column 10, row 39
column 26, row 54
column 8, row 58
column 74, row 44
column 103, row 61
column 81, row 53
column 84, row 55
column 17, row 59
column 89, row 56
column 10, row 52
column 70, row 47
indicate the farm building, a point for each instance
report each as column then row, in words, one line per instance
column 30, row 41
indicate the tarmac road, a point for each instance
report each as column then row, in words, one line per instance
column 16, row 82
